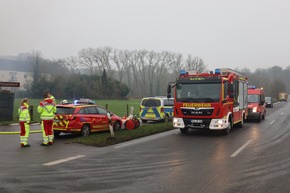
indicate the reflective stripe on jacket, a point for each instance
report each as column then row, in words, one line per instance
column 23, row 113
column 46, row 109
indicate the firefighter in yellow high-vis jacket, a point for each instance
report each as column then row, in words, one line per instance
column 24, row 121
column 47, row 109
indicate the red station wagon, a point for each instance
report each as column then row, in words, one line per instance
column 83, row 118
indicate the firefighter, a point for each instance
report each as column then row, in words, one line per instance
column 47, row 109
column 24, row 121
column 51, row 97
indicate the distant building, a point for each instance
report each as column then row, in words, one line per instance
column 16, row 71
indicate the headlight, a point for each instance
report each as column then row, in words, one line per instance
column 254, row 109
column 177, row 120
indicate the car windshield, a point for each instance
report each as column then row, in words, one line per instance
column 253, row 98
column 64, row 110
column 268, row 99
column 209, row 92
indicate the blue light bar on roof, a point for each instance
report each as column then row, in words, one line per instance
column 217, row 71
column 182, row 72
column 251, row 86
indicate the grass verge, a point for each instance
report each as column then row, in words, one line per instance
column 104, row 139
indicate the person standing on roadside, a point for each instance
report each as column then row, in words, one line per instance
column 47, row 109
column 51, row 97
column 24, row 121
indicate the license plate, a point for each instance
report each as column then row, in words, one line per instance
column 196, row 121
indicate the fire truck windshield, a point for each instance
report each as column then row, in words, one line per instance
column 253, row 98
column 198, row 92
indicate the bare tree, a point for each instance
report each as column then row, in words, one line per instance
column 195, row 63
column 153, row 59
column 86, row 59
column 175, row 64
column 71, row 63
column 161, row 70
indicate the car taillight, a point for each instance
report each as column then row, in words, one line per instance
column 162, row 110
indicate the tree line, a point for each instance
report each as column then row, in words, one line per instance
column 110, row 73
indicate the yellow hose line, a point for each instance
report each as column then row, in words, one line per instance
column 18, row 132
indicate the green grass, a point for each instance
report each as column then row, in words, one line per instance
column 104, row 138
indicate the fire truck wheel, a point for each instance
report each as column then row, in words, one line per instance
column 56, row 133
column 117, row 126
column 227, row 130
column 184, row 131
column 264, row 116
column 241, row 124
column 259, row 118
column 86, row 130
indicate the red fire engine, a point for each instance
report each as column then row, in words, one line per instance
column 216, row 100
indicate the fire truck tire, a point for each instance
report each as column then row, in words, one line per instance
column 86, row 130
column 227, row 130
column 117, row 126
column 56, row 133
column 264, row 116
column 259, row 118
column 184, row 131
column 241, row 124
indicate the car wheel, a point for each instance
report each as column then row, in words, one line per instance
column 117, row 126
column 184, row 131
column 56, row 133
column 166, row 119
column 86, row 130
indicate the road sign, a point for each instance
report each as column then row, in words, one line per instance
column 9, row 84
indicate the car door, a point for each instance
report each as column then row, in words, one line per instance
column 103, row 114
column 95, row 118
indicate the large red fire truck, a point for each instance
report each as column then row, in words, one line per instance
column 216, row 100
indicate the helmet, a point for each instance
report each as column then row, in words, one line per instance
column 64, row 101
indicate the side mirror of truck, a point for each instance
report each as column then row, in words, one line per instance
column 169, row 91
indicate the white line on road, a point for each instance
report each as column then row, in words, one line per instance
column 63, row 160
column 241, row 148
column 272, row 122
column 145, row 139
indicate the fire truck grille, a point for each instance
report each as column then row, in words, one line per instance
column 197, row 112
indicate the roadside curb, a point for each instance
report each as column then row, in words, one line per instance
column 18, row 132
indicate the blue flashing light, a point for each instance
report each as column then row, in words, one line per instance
column 182, row 72
column 251, row 86
column 217, row 71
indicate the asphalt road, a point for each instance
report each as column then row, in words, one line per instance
column 255, row 158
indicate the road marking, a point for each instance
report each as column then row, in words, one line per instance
column 272, row 122
column 241, row 148
column 17, row 132
column 63, row 160
column 145, row 139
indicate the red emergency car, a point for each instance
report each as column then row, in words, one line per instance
column 83, row 118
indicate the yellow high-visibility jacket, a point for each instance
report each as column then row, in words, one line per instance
column 46, row 109
column 23, row 113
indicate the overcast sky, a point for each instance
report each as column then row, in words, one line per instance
column 224, row 33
